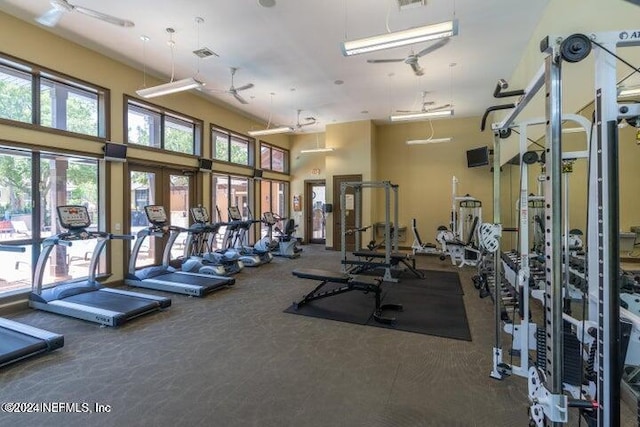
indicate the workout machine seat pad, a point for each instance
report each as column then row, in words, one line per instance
column 374, row 254
column 318, row 274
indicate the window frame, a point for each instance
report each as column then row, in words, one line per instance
column 165, row 114
column 286, row 158
column 37, row 73
column 230, row 137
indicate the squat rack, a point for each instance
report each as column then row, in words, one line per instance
column 390, row 239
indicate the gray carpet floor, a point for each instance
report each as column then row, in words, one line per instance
column 235, row 359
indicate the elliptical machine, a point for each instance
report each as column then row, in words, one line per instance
column 199, row 245
column 231, row 228
column 285, row 244
column 240, row 228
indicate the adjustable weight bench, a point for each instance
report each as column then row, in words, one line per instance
column 372, row 261
column 350, row 282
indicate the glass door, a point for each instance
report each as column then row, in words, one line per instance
column 158, row 186
column 143, row 191
column 315, row 196
column 179, row 205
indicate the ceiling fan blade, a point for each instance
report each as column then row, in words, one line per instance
column 104, row 17
column 239, row 98
column 440, row 107
column 51, row 18
column 383, row 61
column 245, row 87
column 437, row 45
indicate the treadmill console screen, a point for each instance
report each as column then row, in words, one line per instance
column 156, row 214
column 200, row 214
column 268, row 218
column 73, row 217
column 234, row 214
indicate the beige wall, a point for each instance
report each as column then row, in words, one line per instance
column 353, row 144
column 424, row 173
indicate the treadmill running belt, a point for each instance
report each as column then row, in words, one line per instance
column 15, row 345
column 128, row 305
column 204, row 281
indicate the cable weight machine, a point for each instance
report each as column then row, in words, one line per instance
column 549, row 405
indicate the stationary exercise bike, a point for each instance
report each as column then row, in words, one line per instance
column 285, row 244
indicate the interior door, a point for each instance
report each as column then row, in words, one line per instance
column 315, row 199
column 349, row 214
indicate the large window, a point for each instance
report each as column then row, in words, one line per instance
column 15, row 95
column 230, row 147
column 65, row 104
column 274, row 158
column 28, row 214
column 155, row 127
column 69, row 108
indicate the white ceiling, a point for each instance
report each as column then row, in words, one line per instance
column 292, row 50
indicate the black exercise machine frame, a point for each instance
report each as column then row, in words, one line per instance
column 350, row 283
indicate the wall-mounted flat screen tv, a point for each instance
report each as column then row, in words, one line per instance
column 478, row 157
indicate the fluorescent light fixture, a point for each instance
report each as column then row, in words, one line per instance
column 428, row 141
column 171, row 87
column 317, row 150
column 272, row 131
column 422, row 115
column 400, row 38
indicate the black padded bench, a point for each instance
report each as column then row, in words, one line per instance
column 350, row 282
column 372, row 262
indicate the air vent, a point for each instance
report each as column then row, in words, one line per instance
column 410, row 4
column 204, row 52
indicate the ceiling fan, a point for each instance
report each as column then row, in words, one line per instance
column 234, row 90
column 412, row 59
column 425, row 104
column 60, row 7
column 308, row 122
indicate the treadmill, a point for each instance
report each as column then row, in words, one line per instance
column 19, row 341
column 87, row 299
column 164, row 277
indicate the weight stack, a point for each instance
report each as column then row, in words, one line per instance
column 572, row 356
column 541, row 349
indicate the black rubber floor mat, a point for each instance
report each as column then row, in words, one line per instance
column 432, row 306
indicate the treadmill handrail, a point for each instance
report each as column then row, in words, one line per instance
column 62, row 239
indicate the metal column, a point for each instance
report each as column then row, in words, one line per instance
column 553, row 213
column 605, row 163
column 497, row 372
